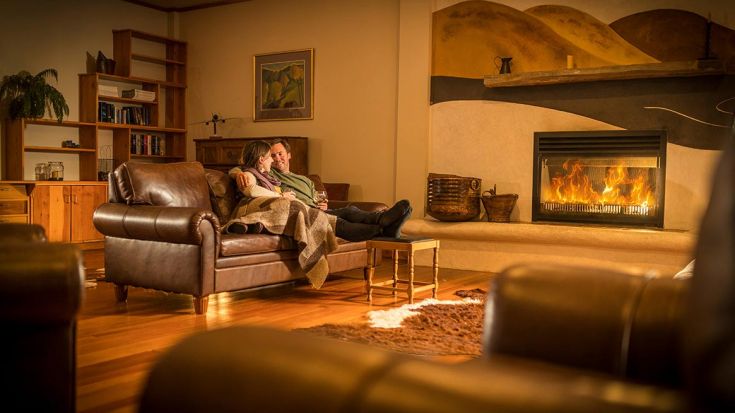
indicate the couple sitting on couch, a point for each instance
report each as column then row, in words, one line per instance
column 286, row 206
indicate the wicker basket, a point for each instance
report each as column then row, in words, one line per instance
column 452, row 197
column 498, row 207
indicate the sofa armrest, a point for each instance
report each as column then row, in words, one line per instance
column 364, row 205
column 41, row 283
column 178, row 225
column 618, row 323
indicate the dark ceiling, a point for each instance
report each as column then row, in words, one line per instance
column 182, row 5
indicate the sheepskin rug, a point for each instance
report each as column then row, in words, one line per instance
column 430, row 327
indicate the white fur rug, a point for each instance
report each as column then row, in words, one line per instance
column 394, row 317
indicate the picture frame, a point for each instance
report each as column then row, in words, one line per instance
column 283, row 83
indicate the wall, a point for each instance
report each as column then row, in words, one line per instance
column 41, row 34
column 352, row 136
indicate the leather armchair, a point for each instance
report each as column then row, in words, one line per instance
column 557, row 339
column 41, row 290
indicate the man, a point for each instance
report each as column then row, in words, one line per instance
column 351, row 220
column 304, row 190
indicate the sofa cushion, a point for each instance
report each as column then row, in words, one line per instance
column 222, row 193
column 180, row 184
column 241, row 244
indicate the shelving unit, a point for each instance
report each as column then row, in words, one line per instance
column 15, row 147
column 171, row 127
column 64, row 208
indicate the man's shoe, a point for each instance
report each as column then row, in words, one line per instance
column 394, row 213
column 394, row 230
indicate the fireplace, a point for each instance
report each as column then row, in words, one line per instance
column 600, row 177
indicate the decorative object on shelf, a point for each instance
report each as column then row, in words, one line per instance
column 41, row 171
column 498, row 207
column 504, row 66
column 69, row 144
column 453, row 197
column 56, row 171
column 105, row 65
column 28, row 96
column 104, row 163
column 284, row 85
column 214, row 121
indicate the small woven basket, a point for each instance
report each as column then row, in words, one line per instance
column 498, row 207
column 452, row 197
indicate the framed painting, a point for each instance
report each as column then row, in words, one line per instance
column 284, row 85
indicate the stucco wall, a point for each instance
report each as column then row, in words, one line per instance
column 352, row 135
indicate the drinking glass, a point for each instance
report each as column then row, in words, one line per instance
column 320, row 196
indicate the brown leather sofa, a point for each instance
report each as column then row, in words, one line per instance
column 41, row 289
column 557, row 339
column 162, row 231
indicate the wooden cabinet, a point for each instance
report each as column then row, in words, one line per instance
column 65, row 210
column 224, row 153
column 14, row 205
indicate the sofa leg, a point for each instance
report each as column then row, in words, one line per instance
column 200, row 304
column 121, row 293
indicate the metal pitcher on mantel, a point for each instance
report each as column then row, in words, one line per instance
column 504, row 66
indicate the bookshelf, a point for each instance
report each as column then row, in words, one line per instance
column 64, row 208
column 162, row 119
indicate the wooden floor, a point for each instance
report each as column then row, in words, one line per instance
column 118, row 343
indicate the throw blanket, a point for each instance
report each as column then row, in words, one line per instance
column 312, row 229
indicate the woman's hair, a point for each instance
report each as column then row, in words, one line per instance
column 252, row 152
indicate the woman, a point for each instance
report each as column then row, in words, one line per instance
column 350, row 224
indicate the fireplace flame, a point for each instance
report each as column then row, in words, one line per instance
column 575, row 187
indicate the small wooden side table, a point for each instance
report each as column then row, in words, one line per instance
column 395, row 245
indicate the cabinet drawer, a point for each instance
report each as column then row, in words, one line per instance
column 8, row 191
column 21, row 219
column 13, row 207
column 231, row 153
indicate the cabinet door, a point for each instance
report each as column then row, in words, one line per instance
column 84, row 200
column 51, row 209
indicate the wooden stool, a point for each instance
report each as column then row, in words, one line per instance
column 401, row 244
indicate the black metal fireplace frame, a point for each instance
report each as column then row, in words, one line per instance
column 608, row 142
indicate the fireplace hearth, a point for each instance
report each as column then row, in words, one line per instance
column 600, row 177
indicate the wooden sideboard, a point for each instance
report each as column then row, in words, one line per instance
column 224, row 153
column 63, row 208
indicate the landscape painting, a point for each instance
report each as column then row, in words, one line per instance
column 283, row 85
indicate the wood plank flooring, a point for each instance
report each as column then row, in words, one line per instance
column 118, row 343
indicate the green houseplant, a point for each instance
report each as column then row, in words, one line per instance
column 29, row 96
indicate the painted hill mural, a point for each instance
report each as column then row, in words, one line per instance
column 672, row 35
column 590, row 34
column 467, row 37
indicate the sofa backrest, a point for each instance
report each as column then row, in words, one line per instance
column 180, row 184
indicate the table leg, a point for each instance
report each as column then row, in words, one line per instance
column 410, row 277
column 370, row 271
column 436, row 272
column 395, row 271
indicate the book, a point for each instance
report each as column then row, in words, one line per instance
column 139, row 94
column 107, row 90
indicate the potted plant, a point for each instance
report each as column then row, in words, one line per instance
column 29, row 96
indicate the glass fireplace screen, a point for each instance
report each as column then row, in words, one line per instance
column 611, row 177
